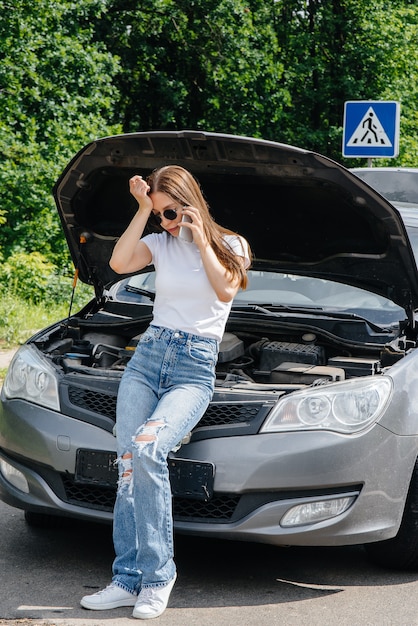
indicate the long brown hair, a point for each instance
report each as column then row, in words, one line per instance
column 184, row 189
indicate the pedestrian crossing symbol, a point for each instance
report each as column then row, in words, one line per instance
column 371, row 129
column 369, row 132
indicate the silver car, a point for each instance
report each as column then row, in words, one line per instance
column 312, row 434
column 399, row 185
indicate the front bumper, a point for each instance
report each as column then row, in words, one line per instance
column 258, row 478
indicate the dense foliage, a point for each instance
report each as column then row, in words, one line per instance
column 278, row 69
column 56, row 95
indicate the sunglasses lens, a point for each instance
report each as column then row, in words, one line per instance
column 170, row 214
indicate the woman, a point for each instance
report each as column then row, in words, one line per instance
column 169, row 381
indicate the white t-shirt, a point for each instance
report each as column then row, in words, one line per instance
column 185, row 299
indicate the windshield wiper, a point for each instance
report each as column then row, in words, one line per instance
column 306, row 310
column 141, row 292
column 262, row 308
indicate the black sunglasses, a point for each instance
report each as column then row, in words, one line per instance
column 169, row 214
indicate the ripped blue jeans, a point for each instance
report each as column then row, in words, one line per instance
column 163, row 393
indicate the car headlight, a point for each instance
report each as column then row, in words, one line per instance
column 31, row 378
column 344, row 407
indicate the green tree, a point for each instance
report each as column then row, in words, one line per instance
column 56, row 94
column 403, row 86
column 338, row 50
column 202, row 64
column 280, row 69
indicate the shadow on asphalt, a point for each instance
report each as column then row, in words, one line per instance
column 210, row 572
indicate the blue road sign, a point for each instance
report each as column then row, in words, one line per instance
column 371, row 129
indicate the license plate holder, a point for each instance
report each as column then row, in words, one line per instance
column 188, row 478
column 96, row 467
column 191, row 479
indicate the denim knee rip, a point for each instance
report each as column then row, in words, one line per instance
column 146, row 436
column 125, row 471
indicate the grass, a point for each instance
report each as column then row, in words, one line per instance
column 20, row 319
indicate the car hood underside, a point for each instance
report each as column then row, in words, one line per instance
column 301, row 212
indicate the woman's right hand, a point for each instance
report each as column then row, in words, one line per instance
column 130, row 254
column 139, row 188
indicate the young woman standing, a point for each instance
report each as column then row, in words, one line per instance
column 169, row 381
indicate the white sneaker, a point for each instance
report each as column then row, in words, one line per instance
column 110, row 598
column 152, row 601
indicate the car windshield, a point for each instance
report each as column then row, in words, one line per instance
column 276, row 289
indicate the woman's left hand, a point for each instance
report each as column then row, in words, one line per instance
column 196, row 226
column 223, row 284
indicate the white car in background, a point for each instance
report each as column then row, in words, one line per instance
column 399, row 185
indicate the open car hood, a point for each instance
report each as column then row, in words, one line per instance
column 301, row 212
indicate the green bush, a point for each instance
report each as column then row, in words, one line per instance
column 26, row 275
column 33, row 279
column 35, row 296
column 59, row 290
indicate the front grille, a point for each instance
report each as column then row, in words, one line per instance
column 235, row 417
column 218, row 509
column 91, row 496
column 217, row 414
column 92, row 400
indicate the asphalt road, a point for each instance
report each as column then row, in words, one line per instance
column 6, row 356
column 43, row 574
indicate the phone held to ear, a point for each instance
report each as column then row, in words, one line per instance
column 185, row 233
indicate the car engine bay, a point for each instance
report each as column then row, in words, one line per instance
column 298, row 358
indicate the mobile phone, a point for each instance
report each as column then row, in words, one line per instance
column 185, row 233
